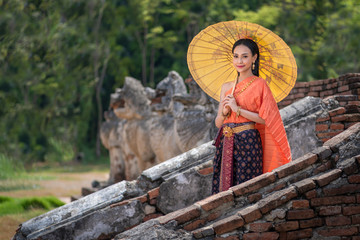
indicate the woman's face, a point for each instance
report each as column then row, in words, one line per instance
column 243, row 59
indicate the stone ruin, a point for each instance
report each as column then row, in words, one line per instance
column 316, row 196
column 145, row 126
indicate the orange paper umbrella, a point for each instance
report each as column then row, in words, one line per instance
column 209, row 58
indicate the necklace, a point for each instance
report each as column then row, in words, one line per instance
column 246, row 86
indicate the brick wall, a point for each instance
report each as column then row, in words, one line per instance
column 316, row 196
column 348, row 84
column 339, row 119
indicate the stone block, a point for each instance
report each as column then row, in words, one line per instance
column 354, row 178
column 104, row 223
column 203, row 232
column 182, row 190
column 349, row 166
column 339, row 140
column 342, row 190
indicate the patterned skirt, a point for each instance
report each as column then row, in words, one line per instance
column 247, row 157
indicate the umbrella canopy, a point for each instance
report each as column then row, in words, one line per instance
column 210, row 58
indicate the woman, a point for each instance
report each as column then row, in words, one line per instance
column 252, row 138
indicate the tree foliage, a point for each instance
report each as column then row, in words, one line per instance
column 60, row 60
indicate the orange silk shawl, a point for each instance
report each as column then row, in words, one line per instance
column 258, row 98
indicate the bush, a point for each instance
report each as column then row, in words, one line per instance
column 10, row 205
column 9, row 168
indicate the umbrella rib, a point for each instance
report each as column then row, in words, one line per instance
column 211, row 42
column 206, row 47
column 223, row 36
column 204, row 60
column 277, row 70
column 231, row 71
column 276, row 85
column 212, row 71
column 229, row 31
column 208, row 66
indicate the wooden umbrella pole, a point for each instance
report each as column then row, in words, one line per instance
column 232, row 92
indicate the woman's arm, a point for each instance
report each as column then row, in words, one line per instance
column 222, row 111
column 230, row 101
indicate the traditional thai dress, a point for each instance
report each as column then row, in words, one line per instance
column 245, row 149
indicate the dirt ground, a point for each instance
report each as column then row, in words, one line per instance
column 62, row 186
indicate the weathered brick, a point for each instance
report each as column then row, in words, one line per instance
column 305, row 185
column 260, row 226
column 250, row 213
column 276, row 187
column 194, row 225
column 343, row 88
column 227, row 238
column 328, row 177
column 337, row 126
column 206, row 171
column 296, row 165
column 228, row 224
column 311, row 223
column 329, row 210
column 340, row 231
column 321, row 127
column 337, row 111
column 276, row 199
column 254, row 197
column 322, row 152
column 355, row 117
column 300, row 214
column 152, row 216
column 154, row 193
column 339, row 118
column 300, row 204
column 311, row 194
column 258, row 236
column 323, row 118
column 354, row 178
column 355, row 219
column 254, row 184
column 287, row 226
column 323, row 167
column 335, row 142
column 142, row 198
column 182, row 215
column 349, row 166
column 216, row 200
column 351, row 210
column 299, row 234
column 358, row 198
column 349, row 188
column 337, row 221
column 203, row 232
column 213, row 216
column 325, row 201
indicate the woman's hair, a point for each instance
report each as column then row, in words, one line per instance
column 254, row 50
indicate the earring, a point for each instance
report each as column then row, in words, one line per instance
column 253, row 66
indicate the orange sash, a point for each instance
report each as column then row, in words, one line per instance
column 258, row 98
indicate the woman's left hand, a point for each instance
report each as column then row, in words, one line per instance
column 230, row 102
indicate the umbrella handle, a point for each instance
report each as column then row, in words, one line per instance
column 232, row 92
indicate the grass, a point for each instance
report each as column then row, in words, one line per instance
column 10, row 205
